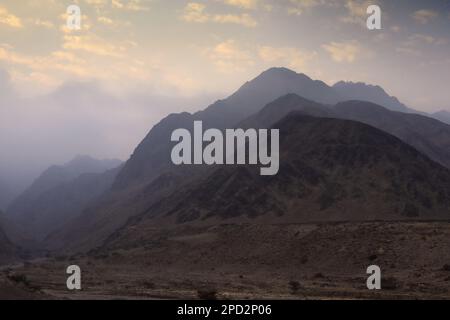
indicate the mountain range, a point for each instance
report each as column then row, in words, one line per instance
column 416, row 151
column 443, row 116
column 8, row 251
column 58, row 195
column 6, row 194
column 331, row 170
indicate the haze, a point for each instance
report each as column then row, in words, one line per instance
column 99, row 90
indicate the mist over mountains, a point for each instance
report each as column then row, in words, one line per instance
column 338, row 155
column 59, row 194
column 79, row 117
column 146, row 183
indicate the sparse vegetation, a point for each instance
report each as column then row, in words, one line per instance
column 207, row 294
column 19, row 278
column 294, row 286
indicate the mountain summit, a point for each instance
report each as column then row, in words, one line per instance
column 370, row 93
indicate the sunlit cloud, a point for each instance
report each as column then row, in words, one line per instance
column 44, row 23
column 357, row 11
column 424, row 16
column 9, row 19
column 92, row 44
column 196, row 12
column 286, row 56
column 131, row 5
column 343, row 51
column 245, row 4
column 228, row 57
column 298, row 7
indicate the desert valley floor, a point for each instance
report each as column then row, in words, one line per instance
column 292, row 261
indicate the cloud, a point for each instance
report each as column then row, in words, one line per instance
column 286, row 56
column 228, row 57
column 245, row 4
column 424, row 16
column 357, row 11
column 114, row 23
column 92, row 44
column 9, row 19
column 417, row 42
column 243, row 19
column 196, row 12
column 343, row 51
column 298, row 7
column 44, row 23
column 408, row 51
column 130, row 5
column 86, row 24
column 58, row 60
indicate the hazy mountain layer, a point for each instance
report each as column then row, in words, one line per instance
column 153, row 154
column 443, row 116
column 370, row 93
column 8, row 252
column 331, row 170
column 427, row 135
column 59, row 195
column 149, row 175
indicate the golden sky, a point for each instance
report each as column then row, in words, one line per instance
column 192, row 47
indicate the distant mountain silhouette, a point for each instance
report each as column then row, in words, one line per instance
column 8, row 251
column 6, row 194
column 152, row 156
column 425, row 134
column 370, row 93
column 60, row 194
column 331, row 170
column 56, row 175
column 443, row 116
column 149, row 175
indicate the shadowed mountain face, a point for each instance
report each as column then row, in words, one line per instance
column 152, row 156
column 7, row 250
column 427, row 135
column 370, row 93
column 59, row 195
column 56, row 175
column 331, row 170
column 443, row 116
column 149, row 176
column 6, row 194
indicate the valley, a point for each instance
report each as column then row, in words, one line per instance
column 357, row 184
column 255, row 261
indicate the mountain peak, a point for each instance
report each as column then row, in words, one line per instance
column 371, row 93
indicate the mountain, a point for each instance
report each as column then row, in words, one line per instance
column 6, row 194
column 55, row 175
column 149, row 174
column 279, row 108
column 152, row 156
column 267, row 87
column 60, row 194
column 370, row 93
column 331, row 170
column 427, row 135
column 443, row 116
column 8, row 251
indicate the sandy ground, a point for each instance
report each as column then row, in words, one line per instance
column 312, row 261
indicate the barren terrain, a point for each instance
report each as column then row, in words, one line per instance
column 293, row 261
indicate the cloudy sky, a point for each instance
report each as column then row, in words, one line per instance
column 134, row 61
